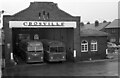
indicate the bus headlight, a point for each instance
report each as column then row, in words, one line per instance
column 41, row 57
column 29, row 58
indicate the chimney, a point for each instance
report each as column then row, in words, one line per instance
column 96, row 23
column 88, row 22
column 38, row 4
column 81, row 24
column 104, row 21
column 48, row 15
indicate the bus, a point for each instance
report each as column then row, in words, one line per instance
column 54, row 51
column 31, row 51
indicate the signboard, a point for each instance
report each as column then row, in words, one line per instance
column 42, row 24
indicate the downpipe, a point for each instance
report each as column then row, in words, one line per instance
column 12, row 58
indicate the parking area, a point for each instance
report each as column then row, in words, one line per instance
column 102, row 68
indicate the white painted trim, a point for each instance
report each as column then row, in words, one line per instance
column 74, row 53
column 94, row 45
column 84, row 45
column 42, row 24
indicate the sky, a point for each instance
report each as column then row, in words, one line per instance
column 88, row 10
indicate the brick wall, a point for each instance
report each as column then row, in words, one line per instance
column 102, row 45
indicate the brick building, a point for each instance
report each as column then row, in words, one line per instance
column 114, row 29
column 93, row 44
column 47, row 21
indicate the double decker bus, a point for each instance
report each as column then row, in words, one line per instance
column 54, row 51
column 31, row 51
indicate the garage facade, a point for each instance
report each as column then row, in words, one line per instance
column 45, row 20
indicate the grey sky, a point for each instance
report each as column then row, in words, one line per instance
column 89, row 10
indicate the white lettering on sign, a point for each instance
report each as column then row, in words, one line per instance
column 42, row 24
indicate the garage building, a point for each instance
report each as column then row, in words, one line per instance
column 47, row 21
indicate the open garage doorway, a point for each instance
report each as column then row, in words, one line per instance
column 65, row 35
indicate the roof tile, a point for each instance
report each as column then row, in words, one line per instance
column 114, row 24
column 92, row 26
column 91, row 32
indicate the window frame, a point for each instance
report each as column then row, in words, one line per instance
column 94, row 45
column 113, row 31
column 84, row 45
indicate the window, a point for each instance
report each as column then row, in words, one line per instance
column 24, row 36
column 60, row 49
column 113, row 30
column 93, row 45
column 84, row 46
column 53, row 49
column 113, row 39
column 57, row 49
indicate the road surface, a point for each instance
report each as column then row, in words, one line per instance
column 103, row 68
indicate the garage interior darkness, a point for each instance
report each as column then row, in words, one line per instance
column 66, row 35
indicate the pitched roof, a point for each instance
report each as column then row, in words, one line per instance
column 91, row 32
column 92, row 26
column 114, row 24
column 36, row 9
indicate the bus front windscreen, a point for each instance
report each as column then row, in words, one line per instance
column 60, row 49
column 35, row 49
column 57, row 49
column 53, row 49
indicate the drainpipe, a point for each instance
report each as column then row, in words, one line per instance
column 74, row 55
column 11, row 54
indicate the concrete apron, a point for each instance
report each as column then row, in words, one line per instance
column 100, row 60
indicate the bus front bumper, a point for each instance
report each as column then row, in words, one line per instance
column 35, row 59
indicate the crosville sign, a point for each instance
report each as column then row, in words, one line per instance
column 42, row 24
